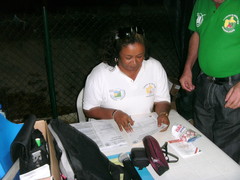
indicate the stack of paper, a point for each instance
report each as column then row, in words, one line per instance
column 39, row 173
column 184, row 149
column 107, row 135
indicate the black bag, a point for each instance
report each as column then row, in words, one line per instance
column 83, row 154
column 31, row 154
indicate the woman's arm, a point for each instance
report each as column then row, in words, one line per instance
column 123, row 120
column 162, row 109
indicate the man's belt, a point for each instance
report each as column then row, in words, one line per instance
column 221, row 81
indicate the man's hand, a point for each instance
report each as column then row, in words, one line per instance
column 233, row 97
column 124, row 121
column 186, row 81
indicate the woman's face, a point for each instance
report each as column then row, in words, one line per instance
column 131, row 58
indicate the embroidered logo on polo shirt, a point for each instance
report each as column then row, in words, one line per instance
column 199, row 19
column 149, row 89
column 117, row 94
column 230, row 22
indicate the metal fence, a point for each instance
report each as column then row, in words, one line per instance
column 74, row 36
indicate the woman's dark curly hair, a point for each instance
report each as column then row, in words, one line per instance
column 119, row 39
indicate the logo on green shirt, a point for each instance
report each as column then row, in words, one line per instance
column 230, row 22
column 199, row 19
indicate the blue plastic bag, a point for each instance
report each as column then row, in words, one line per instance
column 8, row 132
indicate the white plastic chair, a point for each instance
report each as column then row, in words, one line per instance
column 80, row 114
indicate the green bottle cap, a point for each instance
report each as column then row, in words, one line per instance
column 38, row 141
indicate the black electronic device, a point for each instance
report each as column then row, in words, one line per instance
column 127, row 163
column 139, row 157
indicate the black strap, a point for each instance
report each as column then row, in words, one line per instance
column 167, row 154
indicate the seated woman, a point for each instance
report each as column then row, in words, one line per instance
column 127, row 82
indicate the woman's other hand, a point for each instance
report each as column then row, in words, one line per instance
column 123, row 120
column 163, row 118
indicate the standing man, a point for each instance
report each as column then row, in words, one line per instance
column 216, row 43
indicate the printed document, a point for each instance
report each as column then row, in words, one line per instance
column 107, row 135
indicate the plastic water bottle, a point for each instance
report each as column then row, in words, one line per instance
column 2, row 112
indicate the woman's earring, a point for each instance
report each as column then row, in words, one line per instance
column 116, row 59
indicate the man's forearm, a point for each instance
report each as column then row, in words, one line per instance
column 192, row 51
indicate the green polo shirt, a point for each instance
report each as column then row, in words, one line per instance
column 219, row 31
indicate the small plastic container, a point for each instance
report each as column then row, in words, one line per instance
column 181, row 132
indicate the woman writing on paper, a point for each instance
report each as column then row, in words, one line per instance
column 127, row 82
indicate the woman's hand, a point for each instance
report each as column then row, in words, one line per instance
column 162, row 109
column 123, row 120
column 163, row 118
